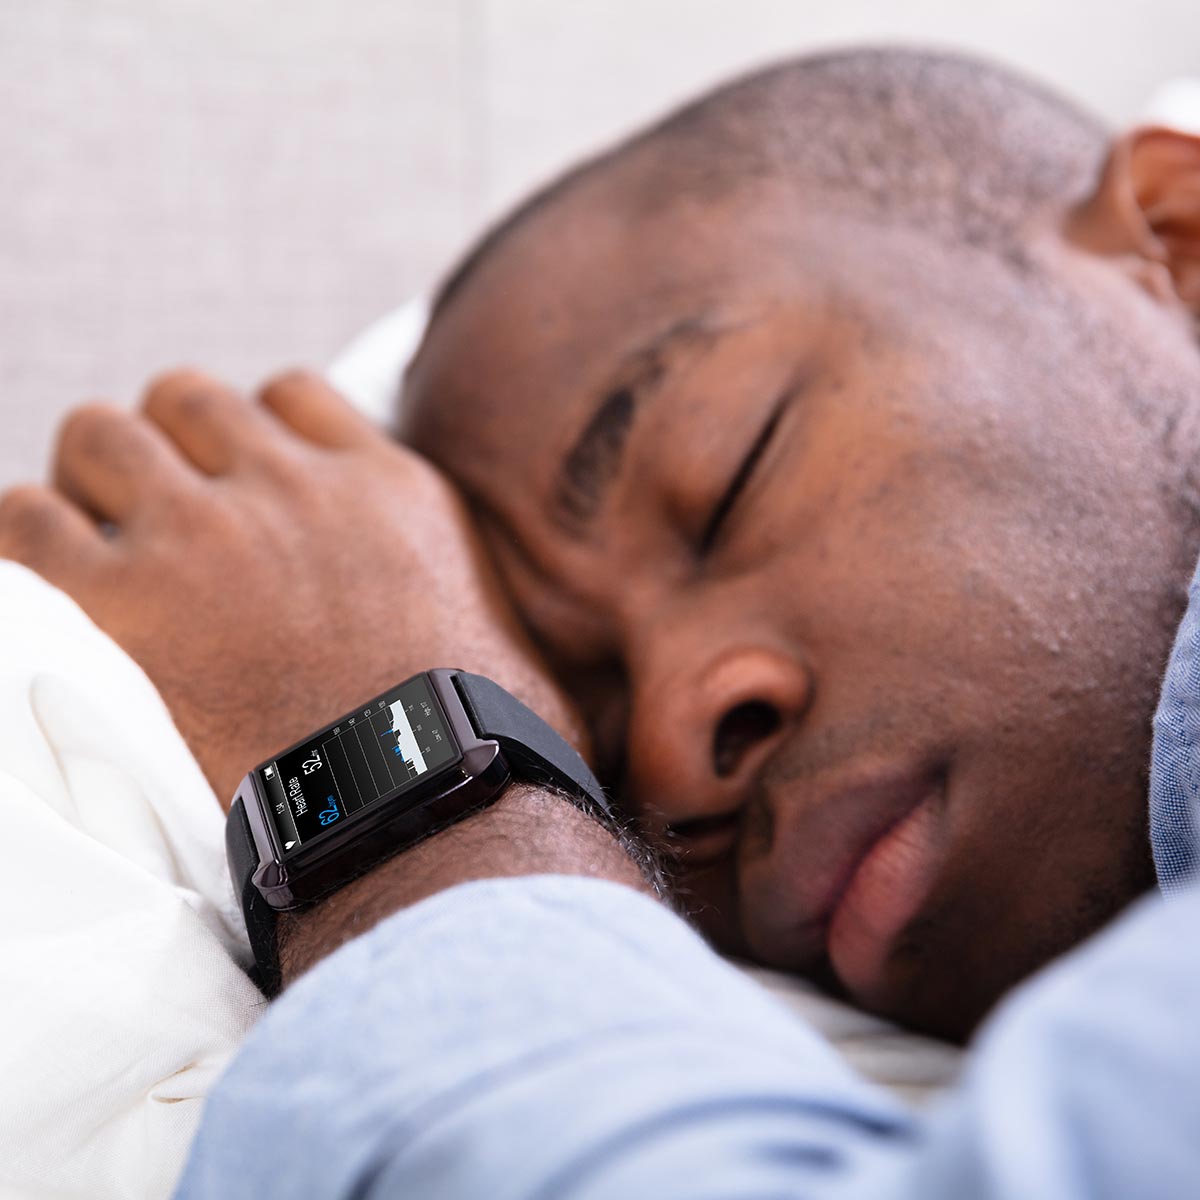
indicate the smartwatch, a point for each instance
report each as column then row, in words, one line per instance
column 419, row 757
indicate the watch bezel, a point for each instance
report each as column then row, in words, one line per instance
column 477, row 776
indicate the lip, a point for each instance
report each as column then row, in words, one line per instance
column 846, row 868
column 886, row 889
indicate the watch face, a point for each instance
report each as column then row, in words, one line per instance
column 371, row 756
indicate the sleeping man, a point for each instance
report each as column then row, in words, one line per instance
column 822, row 462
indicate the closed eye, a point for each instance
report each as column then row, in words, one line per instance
column 743, row 475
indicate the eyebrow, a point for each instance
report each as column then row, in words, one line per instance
column 594, row 460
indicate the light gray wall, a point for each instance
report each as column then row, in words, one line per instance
column 241, row 184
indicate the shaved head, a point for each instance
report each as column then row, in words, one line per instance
column 962, row 148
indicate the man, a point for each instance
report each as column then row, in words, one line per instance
column 834, row 441
column 837, row 441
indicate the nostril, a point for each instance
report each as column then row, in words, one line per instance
column 739, row 730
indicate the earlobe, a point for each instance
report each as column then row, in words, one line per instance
column 1145, row 214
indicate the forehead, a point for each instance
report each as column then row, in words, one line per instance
column 595, row 285
column 573, row 286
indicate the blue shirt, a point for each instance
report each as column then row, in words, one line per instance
column 567, row 1037
column 1175, row 758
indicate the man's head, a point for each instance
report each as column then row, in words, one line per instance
column 834, row 439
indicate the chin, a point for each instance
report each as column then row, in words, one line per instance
column 943, row 990
column 950, row 1018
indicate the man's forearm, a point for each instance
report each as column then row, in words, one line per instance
column 528, row 831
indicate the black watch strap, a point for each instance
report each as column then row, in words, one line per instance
column 534, row 750
column 242, row 856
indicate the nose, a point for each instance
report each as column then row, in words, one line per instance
column 698, row 739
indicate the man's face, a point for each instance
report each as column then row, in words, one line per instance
column 862, row 587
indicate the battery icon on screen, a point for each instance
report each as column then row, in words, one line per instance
column 269, row 772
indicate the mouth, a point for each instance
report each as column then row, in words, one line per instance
column 885, row 890
column 844, row 876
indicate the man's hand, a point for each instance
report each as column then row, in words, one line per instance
column 268, row 564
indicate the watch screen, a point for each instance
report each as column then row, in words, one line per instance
column 372, row 753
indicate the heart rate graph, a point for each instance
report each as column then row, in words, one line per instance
column 379, row 751
column 404, row 737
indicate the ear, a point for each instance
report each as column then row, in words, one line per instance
column 1145, row 214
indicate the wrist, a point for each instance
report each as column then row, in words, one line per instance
column 527, row 831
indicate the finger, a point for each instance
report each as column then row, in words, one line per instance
column 41, row 529
column 211, row 423
column 110, row 462
column 311, row 407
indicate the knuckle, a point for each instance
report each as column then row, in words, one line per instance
column 294, row 379
column 293, row 388
column 183, row 393
column 29, row 515
column 93, row 431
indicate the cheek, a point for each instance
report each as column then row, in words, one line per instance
column 916, row 602
column 874, row 571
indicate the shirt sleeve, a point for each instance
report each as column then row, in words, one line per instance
column 566, row 1037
